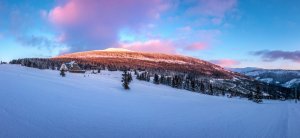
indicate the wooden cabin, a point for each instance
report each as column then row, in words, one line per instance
column 64, row 67
column 72, row 67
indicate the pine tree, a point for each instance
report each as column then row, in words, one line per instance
column 162, row 79
column 62, row 73
column 211, row 89
column 258, row 95
column 202, row 88
column 125, row 80
column 156, row 79
column 129, row 77
column 223, row 93
column 147, row 77
column 174, row 82
column 135, row 72
column 193, row 85
column 250, row 96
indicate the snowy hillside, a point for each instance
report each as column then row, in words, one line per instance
column 144, row 60
column 285, row 78
column 40, row 103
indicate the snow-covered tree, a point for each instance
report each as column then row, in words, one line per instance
column 62, row 73
column 125, row 80
column 162, row 79
column 156, row 79
column 193, row 85
column 257, row 95
column 211, row 92
column 202, row 88
column 129, row 77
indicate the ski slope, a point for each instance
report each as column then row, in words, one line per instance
column 40, row 103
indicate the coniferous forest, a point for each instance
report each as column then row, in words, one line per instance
column 246, row 88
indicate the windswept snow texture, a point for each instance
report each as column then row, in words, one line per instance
column 40, row 103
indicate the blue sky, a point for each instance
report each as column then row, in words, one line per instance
column 231, row 33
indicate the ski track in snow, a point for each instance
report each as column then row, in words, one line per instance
column 40, row 103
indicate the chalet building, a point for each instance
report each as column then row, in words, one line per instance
column 64, row 67
column 72, row 67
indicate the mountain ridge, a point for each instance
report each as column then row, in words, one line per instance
column 282, row 77
column 158, row 61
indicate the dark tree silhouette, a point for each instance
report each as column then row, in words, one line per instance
column 258, row 95
column 62, row 73
column 156, row 79
column 202, row 88
column 211, row 89
column 125, row 80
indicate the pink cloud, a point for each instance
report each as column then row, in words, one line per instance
column 158, row 46
column 66, row 14
column 197, row 46
column 94, row 24
column 225, row 62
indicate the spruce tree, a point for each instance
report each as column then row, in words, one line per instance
column 258, row 95
column 62, row 73
column 129, row 77
column 162, row 79
column 250, row 96
column 147, row 77
column 202, row 88
column 135, row 72
column 211, row 89
column 193, row 85
column 173, row 82
column 156, row 79
column 125, row 80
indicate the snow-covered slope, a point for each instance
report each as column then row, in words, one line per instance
column 150, row 61
column 117, row 49
column 243, row 70
column 40, row 103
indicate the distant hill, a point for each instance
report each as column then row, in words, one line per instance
column 155, row 61
column 285, row 78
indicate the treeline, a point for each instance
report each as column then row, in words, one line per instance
column 190, row 81
column 40, row 63
column 204, row 85
column 253, row 90
column 2, row 62
column 203, row 69
column 45, row 63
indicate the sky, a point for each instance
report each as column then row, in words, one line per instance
column 230, row 33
